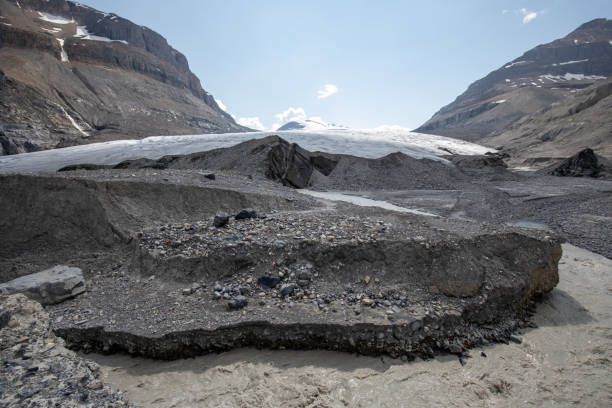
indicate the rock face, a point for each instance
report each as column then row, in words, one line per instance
column 544, row 75
column 50, row 286
column 71, row 74
column 583, row 164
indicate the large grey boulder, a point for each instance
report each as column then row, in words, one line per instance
column 50, row 286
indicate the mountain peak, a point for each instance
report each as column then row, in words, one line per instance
column 541, row 76
column 77, row 75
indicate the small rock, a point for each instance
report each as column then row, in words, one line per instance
column 268, row 282
column 210, row 176
column 246, row 213
column 187, row 291
column 94, row 385
column 483, row 354
column 217, row 295
column 515, row 339
column 237, row 303
column 288, row 289
column 5, row 316
column 221, row 219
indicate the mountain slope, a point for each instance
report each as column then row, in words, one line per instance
column 544, row 75
column 71, row 75
column 581, row 120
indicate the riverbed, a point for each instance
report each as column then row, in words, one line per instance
column 566, row 361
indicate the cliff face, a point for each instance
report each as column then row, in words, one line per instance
column 71, row 74
column 544, row 75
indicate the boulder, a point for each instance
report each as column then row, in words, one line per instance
column 585, row 163
column 50, row 286
column 221, row 218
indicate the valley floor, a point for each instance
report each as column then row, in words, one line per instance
column 566, row 361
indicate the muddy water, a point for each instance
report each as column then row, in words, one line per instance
column 567, row 361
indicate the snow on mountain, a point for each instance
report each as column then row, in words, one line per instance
column 370, row 143
column 308, row 125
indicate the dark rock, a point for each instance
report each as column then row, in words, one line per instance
column 210, row 176
column 237, row 303
column 290, row 164
column 288, row 289
column 5, row 316
column 221, row 219
column 246, row 213
column 268, row 282
column 583, row 164
column 49, row 286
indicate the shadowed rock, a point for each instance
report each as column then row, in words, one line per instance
column 583, row 164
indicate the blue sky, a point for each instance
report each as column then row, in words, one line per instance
column 384, row 62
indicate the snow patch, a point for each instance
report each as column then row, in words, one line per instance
column 53, row 30
column 7, row 24
column 76, row 125
column 516, row 63
column 18, row 5
column 83, row 34
column 610, row 42
column 500, row 101
column 64, row 54
column 573, row 62
column 50, row 18
column 571, row 77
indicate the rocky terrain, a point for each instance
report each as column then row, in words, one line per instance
column 70, row 75
column 190, row 254
column 536, row 107
column 38, row 371
column 565, row 361
column 367, row 280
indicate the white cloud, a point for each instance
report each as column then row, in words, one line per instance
column 291, row 114
column 252, row 123
column 221, row 104
column 529, row 16
column 327, row 91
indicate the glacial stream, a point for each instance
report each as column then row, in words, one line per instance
column 361, row 201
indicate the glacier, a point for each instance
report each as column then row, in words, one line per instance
column 369, row 143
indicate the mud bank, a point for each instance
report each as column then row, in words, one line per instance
column 566, row 361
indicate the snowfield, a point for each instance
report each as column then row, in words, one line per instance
column 370, row 143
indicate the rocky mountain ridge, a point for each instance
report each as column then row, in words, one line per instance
column 72, row 74
column 547, row 74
